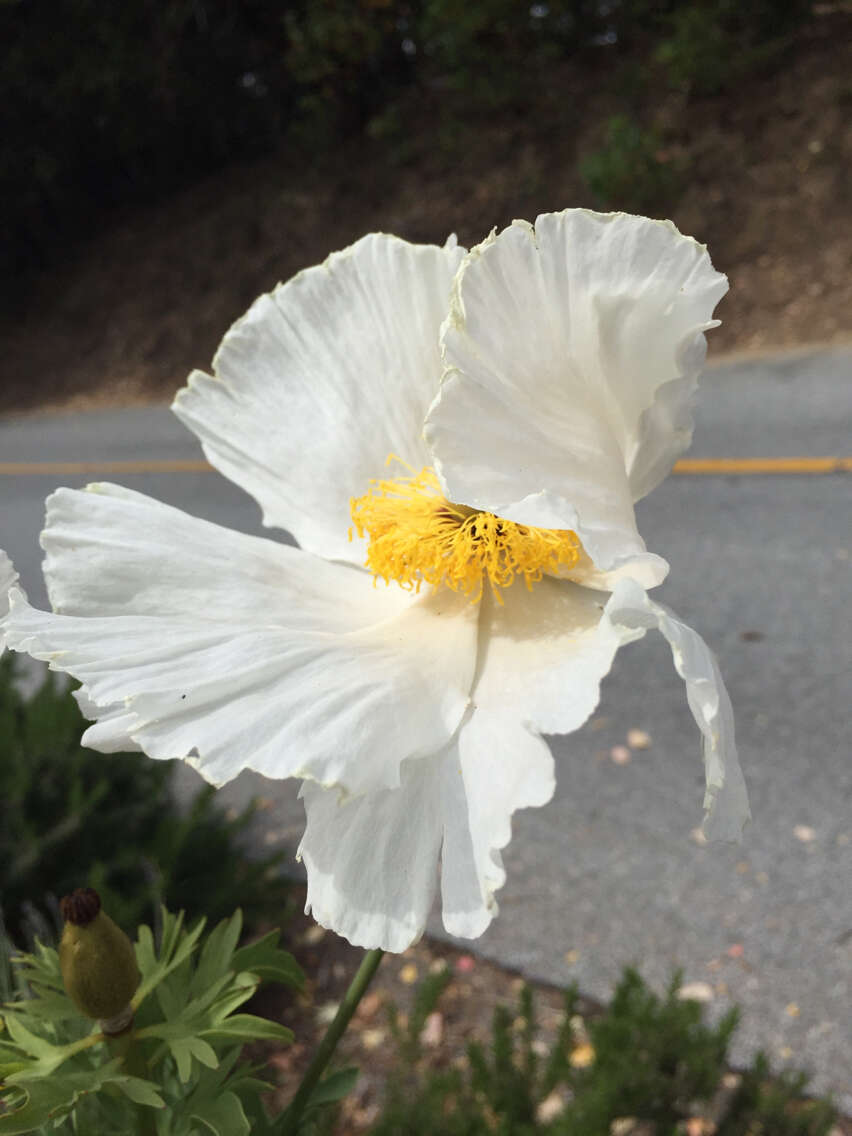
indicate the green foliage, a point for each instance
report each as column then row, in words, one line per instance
column 103, row 103
column 344, row 58
column 493, row 52
column 630, row 170
column 775, row 1106
column 179, row 1059
column 653, row 1057
column 71, row 817
column 426, row 998
column 710, row 44
column 654, row 1060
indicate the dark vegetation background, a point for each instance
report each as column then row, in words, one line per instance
column 163, row 161
column 104, row 103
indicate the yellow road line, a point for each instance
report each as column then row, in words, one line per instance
column 685, row 466
column 764, row 465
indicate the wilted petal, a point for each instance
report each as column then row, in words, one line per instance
column 324, row 378
column 238, row 652
column 726, row 799
column 558, row 341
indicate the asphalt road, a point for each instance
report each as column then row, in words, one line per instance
column 611, row 871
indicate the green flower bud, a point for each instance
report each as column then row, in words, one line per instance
column 97, row 962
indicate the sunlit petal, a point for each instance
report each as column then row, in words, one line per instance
column 560, row 340
column 321, row 380
column 237, row 652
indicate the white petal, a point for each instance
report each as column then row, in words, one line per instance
column 8, row 576
column 499, row 766
column 372, row 861
column 321, row 380
column 542, row 658
column 544, row 652
column 111, row 728
column 646, row 568
column 726, row 799
column 556, row 346
column 239, row 652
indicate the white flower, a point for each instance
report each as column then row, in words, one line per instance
column 414, row 714
column 8, row 577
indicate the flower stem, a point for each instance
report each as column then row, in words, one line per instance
column 357, row 989
column 126, row 1046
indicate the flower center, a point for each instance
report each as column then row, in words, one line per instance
column 416, row 534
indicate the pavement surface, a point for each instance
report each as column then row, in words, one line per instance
column 612, row 871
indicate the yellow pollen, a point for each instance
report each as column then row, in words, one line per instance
column 416, row 535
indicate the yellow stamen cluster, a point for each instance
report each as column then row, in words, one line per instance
column 416, row 535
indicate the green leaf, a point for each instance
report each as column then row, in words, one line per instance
column 46, row 1056
column 50, row 1098
column 140, row 1091
column 223, row 1115
column 50, row 1007
column 40, row 968
column 171, row 997
column 9, row 1068
column 251, row 1028
column 37, row 1047
column 201, row 1011
column 176, row 946
column 183, row 1049
column 265, row 959
column 241, row 988
column 216, row 954
column 335, row 1087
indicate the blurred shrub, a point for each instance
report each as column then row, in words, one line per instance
column 345, row 60
column 646, row 1064
column 493, row 52
column 775, row 1106
column 710, row 44
column 628, row 172
column 70, row 817
column 106, row 103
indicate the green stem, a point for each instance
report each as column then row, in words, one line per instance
column 357, row 989
column 126, row 1046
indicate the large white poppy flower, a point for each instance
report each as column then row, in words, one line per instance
column 531, row 391
column 8, row 577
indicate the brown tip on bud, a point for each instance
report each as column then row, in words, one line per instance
column 80, row 907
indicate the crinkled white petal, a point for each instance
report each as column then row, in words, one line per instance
column 571, row 351
column 8, row 576
column 111, row 727
column 726, row 798
column 238, row 652
column 372, row 861
column 542, row 656
column 499, row 765
column 324, row 378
